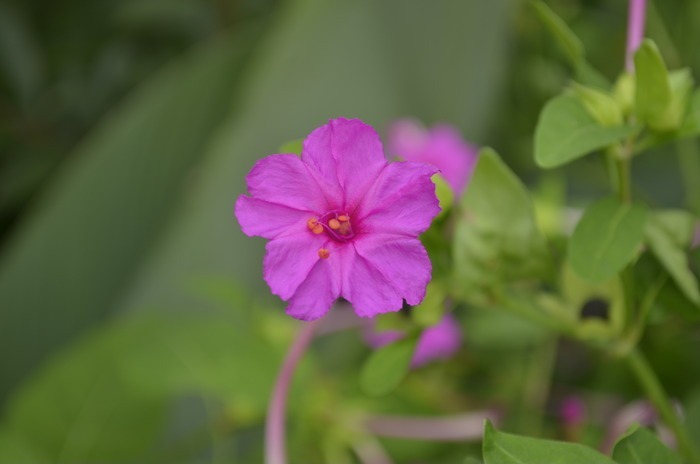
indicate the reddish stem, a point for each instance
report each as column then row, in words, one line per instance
column 275, row 440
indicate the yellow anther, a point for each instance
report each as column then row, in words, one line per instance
column 334, row 224
column 311, row 223
column 317, row 229
column 343, row 218
column 323, row 253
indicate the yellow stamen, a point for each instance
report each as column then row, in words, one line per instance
column 318, row 229
column 334, row 224
column 311, row 223
column 323, row 253
column 343, row 218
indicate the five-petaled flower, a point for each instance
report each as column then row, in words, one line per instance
column 342, row 222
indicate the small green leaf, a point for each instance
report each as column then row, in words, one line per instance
column 293, row 146
column 387, row 366
column 496, row 236
column 624, row 92
column 653, row 88
column 432, row 308
column 691, row 124
column 641, row 446
column 678, row 224
column 672, row 257
column 566, row 131
column 504, row 448
column 604, row 108
column 445, row 194
column 567, row 40
column 606, row 239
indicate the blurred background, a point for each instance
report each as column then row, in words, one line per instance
column 134, row 322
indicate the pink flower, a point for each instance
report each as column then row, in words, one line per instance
column 341, row 221
column 440, row 341
column 442, row 146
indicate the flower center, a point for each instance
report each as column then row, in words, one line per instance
column 335, row 223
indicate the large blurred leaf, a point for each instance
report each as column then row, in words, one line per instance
column 76, row 252
column 496, row 237
column 105, row 399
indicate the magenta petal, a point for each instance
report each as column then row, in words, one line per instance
column 347, row 152
column 455, row 158
column 385, row 270
column 402, row 261
column 286, row 180
column 407, row 139
column 265, row 219
column 317, row 293
column 403, row 201
column 440, row 341
column 289, row 260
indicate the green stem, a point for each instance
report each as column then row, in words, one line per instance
column 625, row 184
column 658, row 397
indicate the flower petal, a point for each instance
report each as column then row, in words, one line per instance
column 286, row 180
column 407, row 139
column 316, row 294
column 289, row 261
column 440, row 341
column 269, row 220
column 454, row 157
column 402, row 201
column 348, row 153
column 385, row 270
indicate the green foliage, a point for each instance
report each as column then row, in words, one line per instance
column 641, row 446
column 566, row 131
column 121, row 381
column 607, row 238
column 571, row 46
column 387, row 366
column 496, row 237
column 504, row 448
column 671, row 255
column 653, row 89
column 603, row 107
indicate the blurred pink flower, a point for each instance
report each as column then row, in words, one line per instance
column 440, row 341
column 442, row 146
column 572, row 410
column 341, row 221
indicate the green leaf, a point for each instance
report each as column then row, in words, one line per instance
column 430, row 311
column 496, row 236
column 472, row 460
column 571, row 45
column 121, row 379
column 653, row 88
column 641, row 446
column 606, row 239
column 603, row 107
column 567, row 40
column 678, row 224
column 504, row 448
column 670, row 254
column 566, row 131
column 387, row 366
column 107, row 205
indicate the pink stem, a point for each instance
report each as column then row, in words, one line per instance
column 275, row 442
column 635, row 30
column 462, row 427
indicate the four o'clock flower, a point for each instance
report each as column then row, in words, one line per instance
column 342, row 222
column 440, row 341
column 442, row 146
